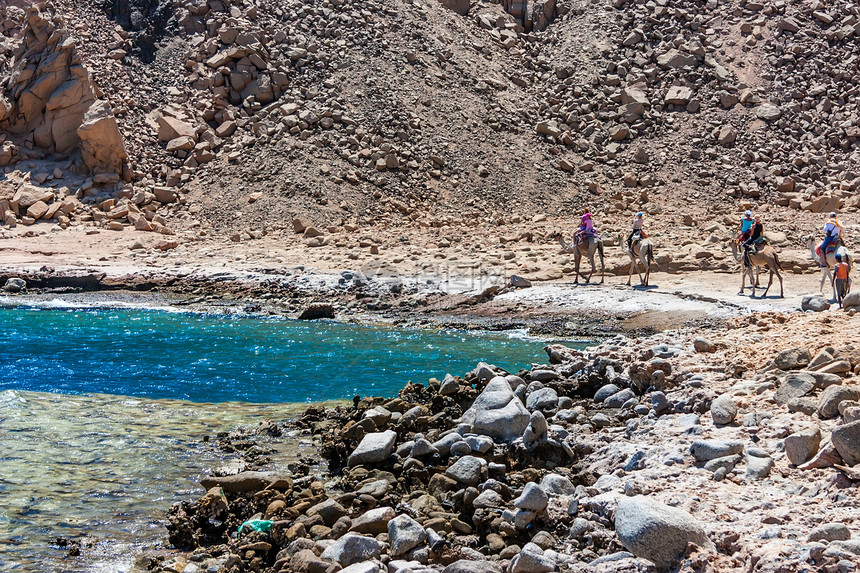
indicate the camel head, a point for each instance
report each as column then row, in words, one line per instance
column 735, row 251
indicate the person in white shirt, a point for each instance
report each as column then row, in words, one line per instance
column 638, row 223
column 832, row 230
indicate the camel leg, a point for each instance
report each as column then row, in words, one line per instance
column 753, row 280
column 743, row 279
column 576, row 260
column 769, row 282
column 647, row 271
column 630, row 270
column 779, row 276
column 603, row 270
column 591, row 271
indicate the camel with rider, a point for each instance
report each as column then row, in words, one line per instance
column 829, row 260
column 763, row 256
column 588, row 247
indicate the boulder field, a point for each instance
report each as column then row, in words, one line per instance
column 665, row 453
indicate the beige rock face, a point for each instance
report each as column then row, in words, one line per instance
column 102, row 147
column 51, row 97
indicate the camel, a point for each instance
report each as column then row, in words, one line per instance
column 829, row 261
column 586, row 248
column 644, row 250
column 763, row 257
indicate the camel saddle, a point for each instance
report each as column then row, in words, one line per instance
column 580, row 237
column 831, row 248
column 638, row 236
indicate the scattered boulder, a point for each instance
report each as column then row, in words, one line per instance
column 532, row 559
column 317, row 310
column 533, row 498
column 374, row 521
column 657, row 532
column 801, row 446
column 520, row 282
column 497, row 412
column 248, row 481
column 704, row 450
column 678, row 95
column 468, row 566
column 352, row 548
column 469, row 470
column 846, row 440
column 373, row 448
column 792, row 359
column 830, row 532
column 404, row 533
column 557, row 484
column 828, row 404
column 15, row 285
column 759, row 463
column 814, row 302
column 795, row 385
column 542, row 399
column 724, row 410
column 701, row 344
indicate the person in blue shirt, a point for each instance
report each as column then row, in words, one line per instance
column 747, row 222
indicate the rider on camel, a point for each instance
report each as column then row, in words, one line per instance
column 755, row 235
column 586, row 229
column 638, row 223
column 832, row 230
column 746, row 226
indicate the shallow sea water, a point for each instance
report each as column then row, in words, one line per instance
column 103, row 411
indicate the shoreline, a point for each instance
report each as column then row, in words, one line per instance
column 554, row 307
column 585, row 457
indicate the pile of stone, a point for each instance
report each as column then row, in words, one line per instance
column 607, row 458
column 48, row 102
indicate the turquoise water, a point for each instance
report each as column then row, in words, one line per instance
column 103, row 411
column 216, row 358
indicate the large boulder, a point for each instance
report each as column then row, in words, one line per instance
column 724, row 410
column 657, row 532
column 352, row 548
column 102, row 147
column 467, row 566
column 497, row 412
column 828, row 404
column 468, row 470
column 374, row 448
column 846, row 440
column 374, row 521
column 704, row 450
column 404, row 533
column 814, row 302
column 801, row 446
column 792, row 359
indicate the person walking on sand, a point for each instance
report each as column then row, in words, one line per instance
column 841, row 281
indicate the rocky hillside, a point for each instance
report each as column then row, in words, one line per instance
column 241, row 114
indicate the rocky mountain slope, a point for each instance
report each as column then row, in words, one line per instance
column 238, row 115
